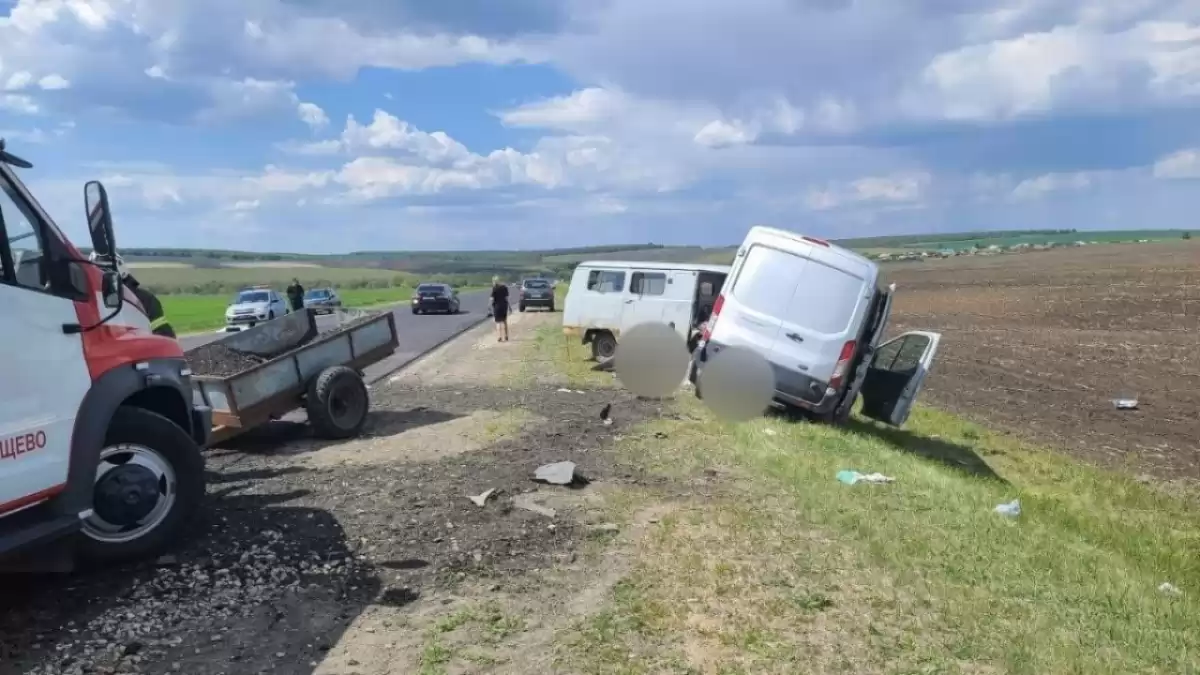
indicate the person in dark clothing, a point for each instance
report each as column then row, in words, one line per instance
column 154, row 311
column 500, row 309
column 149, row 301
column 295, row 294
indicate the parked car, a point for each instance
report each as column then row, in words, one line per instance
column 253, row 306
column 322, row 300
column 435, row 298
column 535, row 293
column 606, row 298
column 817, row 313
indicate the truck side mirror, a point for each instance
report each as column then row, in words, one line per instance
column 111, row 289
column 99, row 219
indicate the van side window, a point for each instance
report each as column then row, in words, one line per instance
column 648, row 283
column 606, row 281
column 901, row 356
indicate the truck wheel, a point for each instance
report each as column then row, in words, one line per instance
column 148, row 486
column 604, row 346
column 521, row 307
column 552, row 307
column 337, row 403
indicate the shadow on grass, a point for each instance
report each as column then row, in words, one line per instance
column 953, row 455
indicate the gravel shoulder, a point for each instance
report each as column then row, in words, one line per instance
column 355, row 557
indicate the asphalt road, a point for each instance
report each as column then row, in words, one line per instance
column 418, row 333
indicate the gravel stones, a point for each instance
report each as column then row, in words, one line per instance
column 216, row 360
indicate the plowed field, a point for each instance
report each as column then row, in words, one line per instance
column 1041, row 343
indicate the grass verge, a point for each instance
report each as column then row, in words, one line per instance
column 779, row 568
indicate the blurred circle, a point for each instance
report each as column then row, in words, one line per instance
column 737, row 384
column 652, row 360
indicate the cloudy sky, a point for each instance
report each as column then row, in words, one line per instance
column 337, row 125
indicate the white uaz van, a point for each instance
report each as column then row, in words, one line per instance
column 606, row 298
column 817, row 312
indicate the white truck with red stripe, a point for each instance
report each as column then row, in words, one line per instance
column 100, row 440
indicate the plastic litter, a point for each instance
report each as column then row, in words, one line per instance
column 1010, row 510
column 481, row 499
column 853, row 477
column 1169, row 589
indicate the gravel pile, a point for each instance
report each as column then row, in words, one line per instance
column 217, row 360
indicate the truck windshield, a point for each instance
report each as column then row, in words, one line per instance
column 251, row 296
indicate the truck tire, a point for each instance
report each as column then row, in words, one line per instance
column 337, row 403
column 604, row 346
column 148, row 487
column 521, row 307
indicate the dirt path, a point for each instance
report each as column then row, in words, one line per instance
column 368, row 556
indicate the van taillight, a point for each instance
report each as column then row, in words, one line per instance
column 712, row 320
column 818, row 242
column 843, row 364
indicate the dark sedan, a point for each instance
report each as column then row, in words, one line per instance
column 536, row 293
column 322, row 300
column 435, row 298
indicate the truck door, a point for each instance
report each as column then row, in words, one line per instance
column 679, row 303
column 45, row 375
column 605, row 299
column 896, row 375
column 647, row 298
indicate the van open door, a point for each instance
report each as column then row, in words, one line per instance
column 896, row 375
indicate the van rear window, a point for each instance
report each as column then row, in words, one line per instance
column 767, row 280
column 825, row 299
column 797, row 291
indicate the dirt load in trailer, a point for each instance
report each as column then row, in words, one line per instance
column 261, row 374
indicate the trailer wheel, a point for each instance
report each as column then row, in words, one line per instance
column 148, row 486
column 337, row 402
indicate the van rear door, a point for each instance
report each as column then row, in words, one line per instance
column 897, row 374
column 762, row 284
column 829, row 298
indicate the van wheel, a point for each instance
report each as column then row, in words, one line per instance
column 604, row 346
column 270, row 315
column 148, row 486
column 337, row 403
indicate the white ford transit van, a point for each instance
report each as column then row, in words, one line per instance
column 608, row 297
column 817, row 312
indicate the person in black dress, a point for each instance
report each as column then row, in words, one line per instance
column 500, row 309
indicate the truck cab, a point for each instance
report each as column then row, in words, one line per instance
column 100, row 441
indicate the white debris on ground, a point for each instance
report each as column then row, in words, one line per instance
column 1010, row 509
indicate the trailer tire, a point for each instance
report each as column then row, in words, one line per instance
column 157, row 442
column 337, row 403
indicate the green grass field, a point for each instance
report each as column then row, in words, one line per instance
column 776, row 567
column 222, row 280
column 196, row 313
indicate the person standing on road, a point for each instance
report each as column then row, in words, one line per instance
column 500, row 308
column 295, row 294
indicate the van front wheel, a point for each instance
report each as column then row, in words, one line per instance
column 604, row 346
